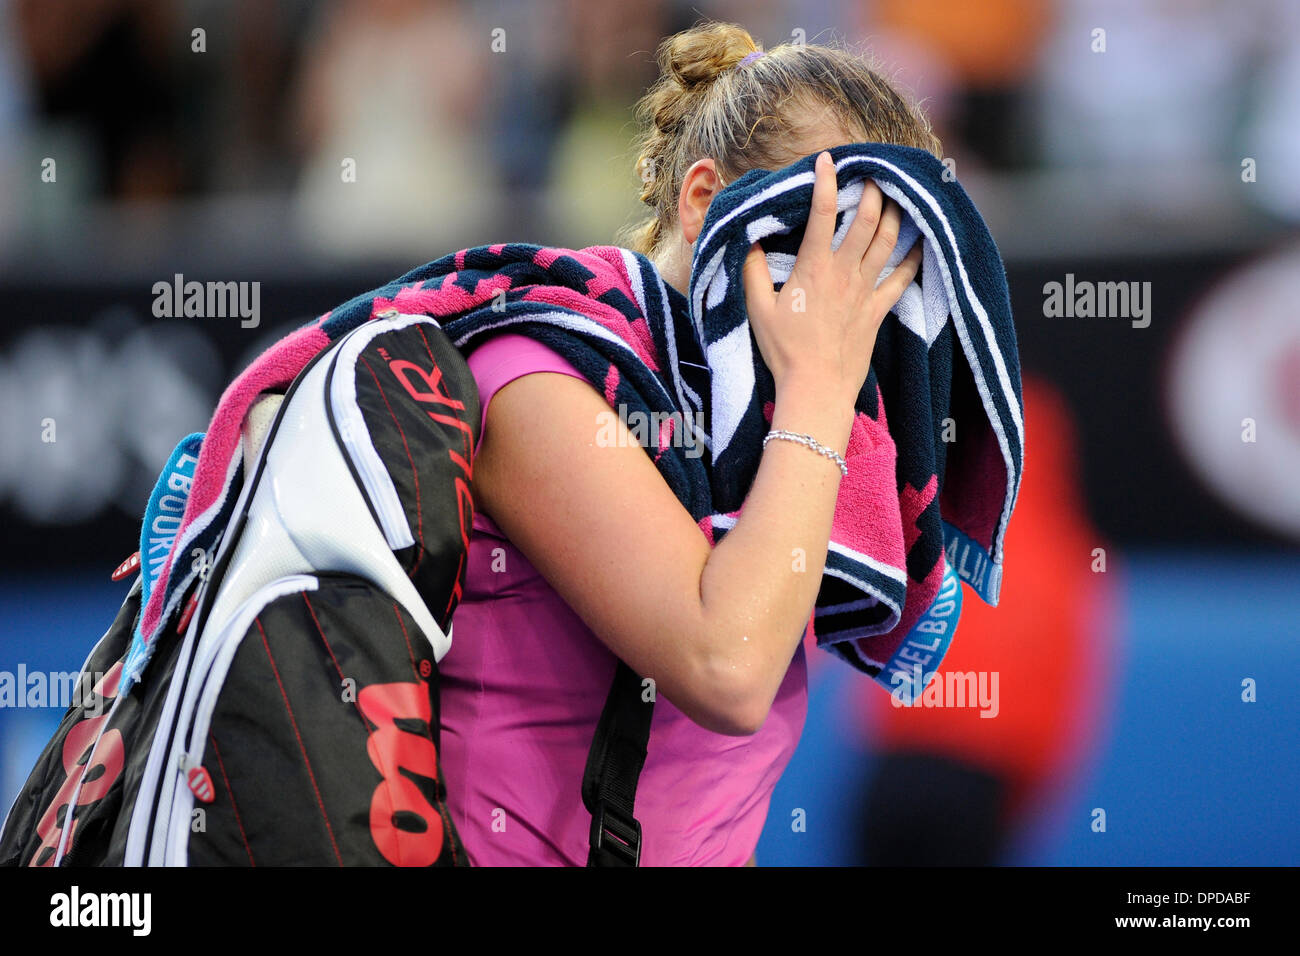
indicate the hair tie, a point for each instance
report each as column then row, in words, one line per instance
column 749, row 58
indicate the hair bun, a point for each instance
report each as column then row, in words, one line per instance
column 702, row 54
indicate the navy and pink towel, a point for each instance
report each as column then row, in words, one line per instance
column 937, row 446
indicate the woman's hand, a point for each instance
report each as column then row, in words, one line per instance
column 819, row 332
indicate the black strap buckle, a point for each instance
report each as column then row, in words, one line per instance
column 617, row 835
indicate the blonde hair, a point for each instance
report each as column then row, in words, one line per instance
column 705, row 104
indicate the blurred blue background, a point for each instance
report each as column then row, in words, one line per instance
column 1187, row 773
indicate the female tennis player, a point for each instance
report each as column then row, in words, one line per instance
column 582, row 555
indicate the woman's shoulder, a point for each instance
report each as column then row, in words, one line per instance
column 505, row 357
column 511, row 351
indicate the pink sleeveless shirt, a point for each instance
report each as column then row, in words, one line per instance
column 522, row 689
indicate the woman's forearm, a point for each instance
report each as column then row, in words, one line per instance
column 759, row 584
column 714, row 628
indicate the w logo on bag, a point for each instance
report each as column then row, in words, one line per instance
column 92, row 759
column 407, row 828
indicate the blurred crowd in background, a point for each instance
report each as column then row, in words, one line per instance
column 463, row 118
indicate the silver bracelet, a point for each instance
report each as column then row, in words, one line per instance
column 809, row 442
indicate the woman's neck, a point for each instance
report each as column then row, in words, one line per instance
column 673, row 262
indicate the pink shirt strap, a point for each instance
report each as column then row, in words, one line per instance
column 499, row 361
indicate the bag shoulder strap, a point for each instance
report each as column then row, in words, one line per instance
column 618, row 752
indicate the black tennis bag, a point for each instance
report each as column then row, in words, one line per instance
column 288, row 713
